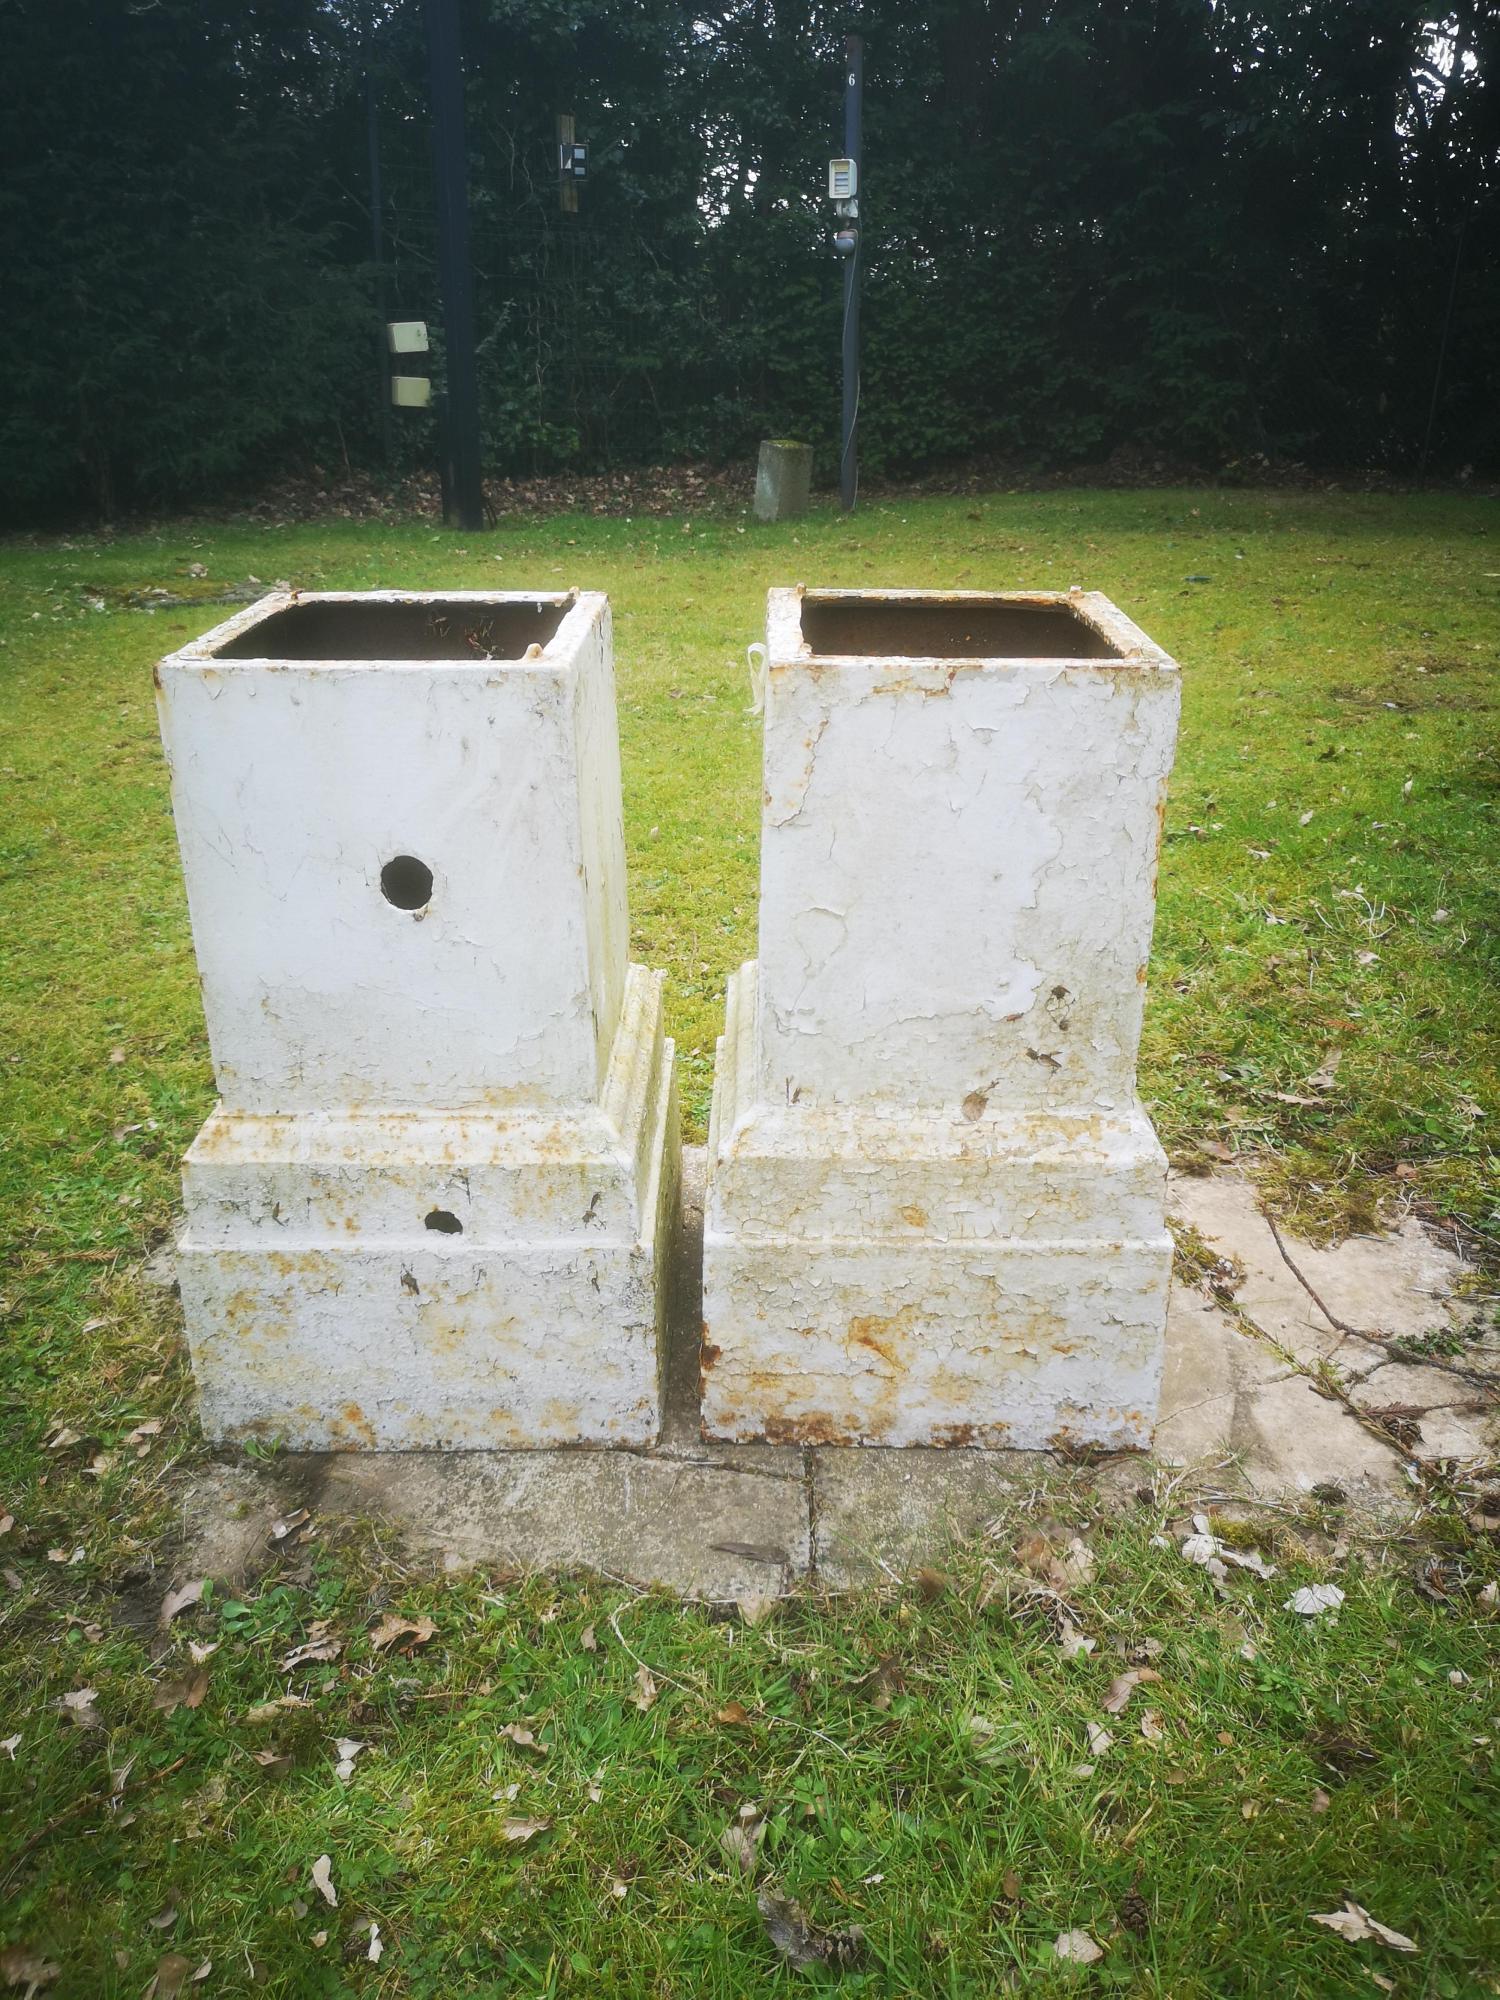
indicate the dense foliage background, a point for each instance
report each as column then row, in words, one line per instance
column 1203, row 228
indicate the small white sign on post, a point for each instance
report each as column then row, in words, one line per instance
column 411, row 392
column 406, row 336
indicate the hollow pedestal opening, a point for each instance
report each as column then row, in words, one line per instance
column 433, row 629
column 945, row 628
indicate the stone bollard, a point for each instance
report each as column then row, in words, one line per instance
column 935, row 1206
column 783, row 480
column 431, row 1204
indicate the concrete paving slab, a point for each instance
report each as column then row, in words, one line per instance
column 643, row 1519
column 1400, row 1283
column 1213, row 1372
column 1293, row 1439
column 879, row 1513
column 721, row 1521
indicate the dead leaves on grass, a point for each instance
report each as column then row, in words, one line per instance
column 317, row 1646
column 1078, row 1948
column 1356, row 1924
column 799, row 1941
column 182, row 1691
column 741, row 1839
column 1123, row 1686
column 405, row 1634
column 181, row 1599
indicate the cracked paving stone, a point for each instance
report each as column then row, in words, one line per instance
column 648, row 1520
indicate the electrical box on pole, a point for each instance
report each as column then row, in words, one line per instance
column 572, row 164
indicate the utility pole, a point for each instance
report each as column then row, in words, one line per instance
column 854, row 89
column 377, row 252
column 461, row 446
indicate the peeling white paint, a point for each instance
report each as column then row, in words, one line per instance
column 935, row 1205
column 429, row 1206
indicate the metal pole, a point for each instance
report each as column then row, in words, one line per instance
column 854, row 84
column 377, row 252
column 454, row 268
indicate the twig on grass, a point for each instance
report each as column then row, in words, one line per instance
column 697, row 1694
column 82, row 1805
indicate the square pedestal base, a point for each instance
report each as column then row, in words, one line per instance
column 928, row 1281
column 392, row 1281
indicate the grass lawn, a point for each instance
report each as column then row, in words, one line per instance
column 1322, row 1007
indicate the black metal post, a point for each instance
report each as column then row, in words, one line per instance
column 854, row 84
column 454, row 269
column 377, row 252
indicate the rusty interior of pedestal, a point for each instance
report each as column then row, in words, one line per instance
column 950, row 628
column 377, row 629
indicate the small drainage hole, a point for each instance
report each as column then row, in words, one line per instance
column 406, row 882
column 444, row 1222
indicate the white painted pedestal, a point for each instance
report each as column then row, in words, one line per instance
column 935, row 1207
column 431, row 1205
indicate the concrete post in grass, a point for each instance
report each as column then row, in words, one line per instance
column 783, row 480
column 429, row 1207
column 935, row 1207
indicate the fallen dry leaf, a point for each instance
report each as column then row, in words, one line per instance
column 1206, row 1549
column 20, row 1966
column 1313, row 1599
column 322, row 1879
column 645, row 1688
column 933, row 1583
column 10, row 1745
column 1078, row 1948
column 755, row 1610
column 587, row 1640
column 179, row 1600
column 741, row 1839
column 348, row 1750
column 1320, row 1801
column 184, row 1691
column 201, row 1653
column 79, row 1707
column 1153, row 1729
column 267, row 1711
column 799, row 1941
column 733, row 1715
column 410, row 1632
column 171, row 1975
column 316, row 1647
column 1072, row 1642
column 524, row 1829
column 1100, row 1739
column 523, row 1738
column 275, row 1763
column 1123, row 1686
column 1356, row 1924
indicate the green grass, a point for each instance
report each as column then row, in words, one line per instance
column 961, row 1848
column 1339, row 662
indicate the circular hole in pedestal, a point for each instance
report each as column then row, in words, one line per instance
column 444, row 1222
column 406, row 882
